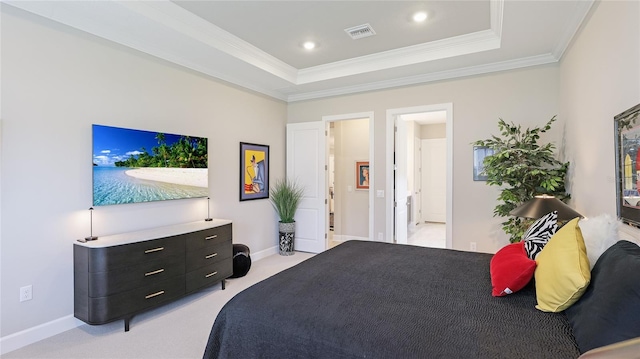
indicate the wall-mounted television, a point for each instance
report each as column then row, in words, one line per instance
column 131, row 166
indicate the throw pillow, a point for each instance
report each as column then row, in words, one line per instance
column 539, row 233
column 563, row 272
column 609, row 311
column 510, row 269
column 599, row 233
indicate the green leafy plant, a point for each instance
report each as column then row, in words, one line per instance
column 523, row 169
column 285, row 195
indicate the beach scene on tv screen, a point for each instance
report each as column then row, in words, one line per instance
column 131, row 166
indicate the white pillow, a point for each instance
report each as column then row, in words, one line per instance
column 599, row 233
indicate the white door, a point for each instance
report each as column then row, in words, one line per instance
column 401, row 182
column 306, row 143
column 434, row 180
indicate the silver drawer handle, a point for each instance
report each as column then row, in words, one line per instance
column 154, row 272
column 154, row 294
column 211, row 256
column 210, row 274
column 154, row 250
column 211, row 237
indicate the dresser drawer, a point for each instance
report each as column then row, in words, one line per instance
column 104, row 309
column 102, row 284
column 208, row 255
column 109, row 258
column 208, row 237
column 209, row 275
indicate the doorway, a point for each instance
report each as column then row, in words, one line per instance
column 349, row 199
column 420, row 194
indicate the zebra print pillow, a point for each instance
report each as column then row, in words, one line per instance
column 539, row 234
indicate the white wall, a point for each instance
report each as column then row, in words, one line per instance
column 56, row 82
column 436, row 130
column 527, row 96
column 352, row 206
column 600, row 78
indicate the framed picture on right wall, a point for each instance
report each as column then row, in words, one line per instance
column 479, row 153
column 627, row 142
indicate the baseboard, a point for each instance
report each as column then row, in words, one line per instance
column 29, row 336
column 264, row 253
column 43, row 331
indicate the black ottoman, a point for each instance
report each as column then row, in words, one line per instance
column 241, row 260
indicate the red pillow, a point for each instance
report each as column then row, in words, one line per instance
column 511, row 269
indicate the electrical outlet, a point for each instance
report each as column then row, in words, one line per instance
column 26, row 293
column 380, row 237
column 473, row 246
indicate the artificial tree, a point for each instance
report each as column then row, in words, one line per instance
column 523, row 169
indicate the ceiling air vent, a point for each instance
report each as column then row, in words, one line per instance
column 360, row 31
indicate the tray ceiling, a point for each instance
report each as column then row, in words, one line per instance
column 258, row 44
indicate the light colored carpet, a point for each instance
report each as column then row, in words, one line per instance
column 176, row 330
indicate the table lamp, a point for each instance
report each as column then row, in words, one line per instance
column 542, row 204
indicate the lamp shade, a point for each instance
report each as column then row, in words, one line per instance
column 540, row 205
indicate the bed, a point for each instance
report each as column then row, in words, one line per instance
column 379, row 300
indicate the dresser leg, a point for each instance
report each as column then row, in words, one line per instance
column 126, row 323
column 223, row 284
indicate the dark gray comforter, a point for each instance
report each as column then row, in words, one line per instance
column 379, row 300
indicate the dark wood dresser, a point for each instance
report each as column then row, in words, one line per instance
column 117, row 276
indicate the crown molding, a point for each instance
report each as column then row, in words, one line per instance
column 435, row 50
column 178, row 19
column 149, row 26
column 441, row 49
column 166, row 30
column 426, row 78
column 120, row 21
column 155, row 27
column 496, row 11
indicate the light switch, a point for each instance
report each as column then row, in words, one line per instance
column 349, row 188
column 380, row 193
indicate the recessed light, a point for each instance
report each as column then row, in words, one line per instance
column 420, row 16
column 309, row 45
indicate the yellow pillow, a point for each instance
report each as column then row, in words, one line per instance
column 562, row 273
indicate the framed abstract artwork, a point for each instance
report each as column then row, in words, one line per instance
column 362, row 175
column 254, row 171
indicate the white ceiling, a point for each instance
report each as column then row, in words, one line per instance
column 257, row 44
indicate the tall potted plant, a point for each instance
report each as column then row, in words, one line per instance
column 523, row 169
column 285, row 195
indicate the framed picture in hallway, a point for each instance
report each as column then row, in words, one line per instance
column 362, row 175
column 254, row 171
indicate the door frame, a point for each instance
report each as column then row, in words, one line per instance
column 392, row 114
column 352, row 116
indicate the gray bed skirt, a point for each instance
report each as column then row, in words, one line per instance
column 379, row 300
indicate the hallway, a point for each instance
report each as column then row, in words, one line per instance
column 427, row 234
